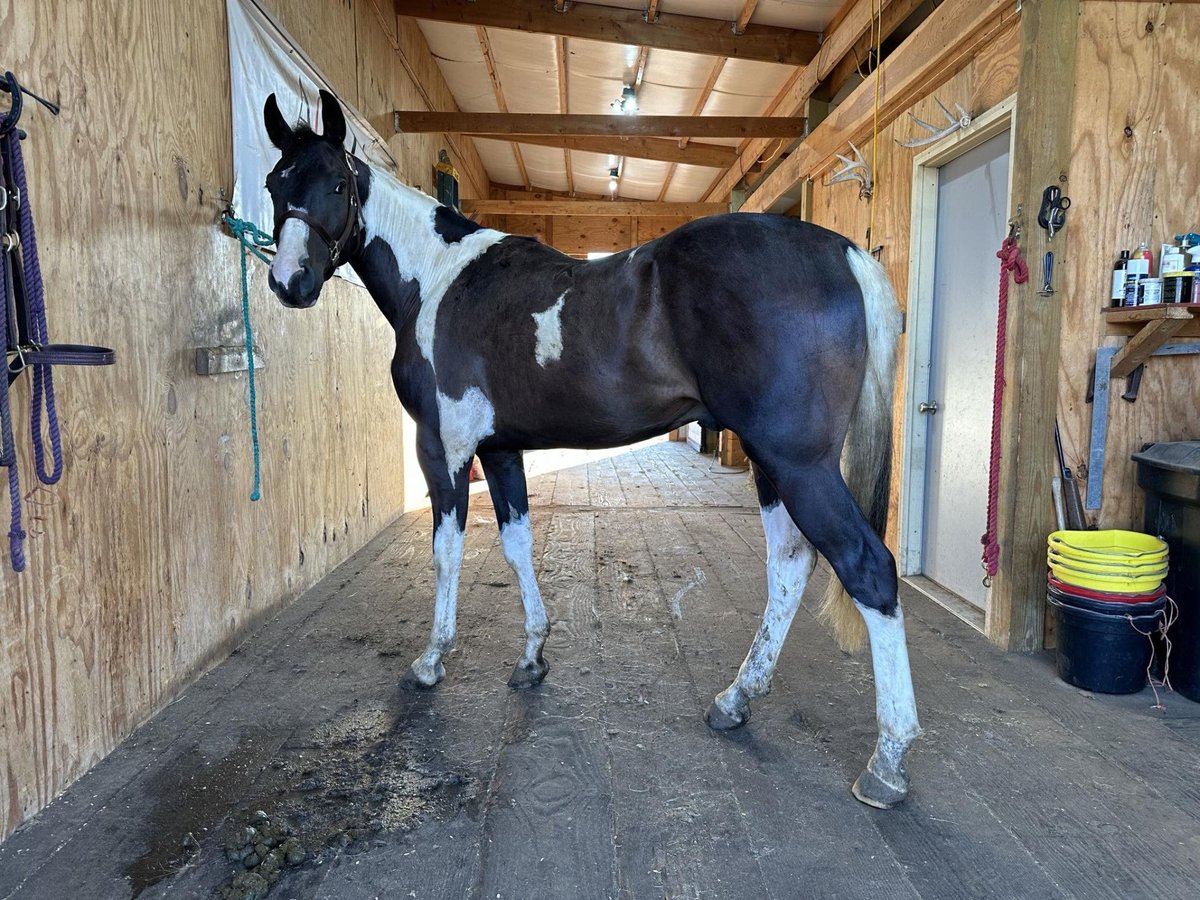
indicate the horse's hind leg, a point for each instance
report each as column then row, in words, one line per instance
column 823, row 508
column 505, row 473
column 448, row 497
column 790, row 562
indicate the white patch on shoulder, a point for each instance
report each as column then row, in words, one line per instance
column 287, row 173
column 464, row 423
column 549, row 332
column 404, row 218
column 292, row 252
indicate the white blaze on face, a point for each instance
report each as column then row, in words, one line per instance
column 292, row 251
column 549, row 332
column 463, row 424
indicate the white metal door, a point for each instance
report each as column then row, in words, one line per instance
column 972, row 198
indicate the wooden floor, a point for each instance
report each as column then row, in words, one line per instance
column 605, row 782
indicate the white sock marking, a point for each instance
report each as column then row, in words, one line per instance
column 447, row 563
column 790, row 562
column 895, row 705
column 549, row 332
column 516, row 539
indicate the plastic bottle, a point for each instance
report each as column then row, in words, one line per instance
column 1118, row 278
column 1136, row 270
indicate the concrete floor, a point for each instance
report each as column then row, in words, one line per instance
column 605, row 782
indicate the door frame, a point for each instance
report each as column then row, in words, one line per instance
column 919, row 317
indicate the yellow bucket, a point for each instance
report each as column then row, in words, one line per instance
column 1110, row 566
column 1107, row 546
column 1114, row 584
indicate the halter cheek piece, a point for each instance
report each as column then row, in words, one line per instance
column 353, row 225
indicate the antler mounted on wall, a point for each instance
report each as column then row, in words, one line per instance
column 857, row 169
column 936, row 133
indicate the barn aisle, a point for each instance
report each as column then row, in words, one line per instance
column 605, row 781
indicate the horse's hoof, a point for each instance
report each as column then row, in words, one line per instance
column 529, row 675
column 422, row 681
column 719, row 720
column 874, row 791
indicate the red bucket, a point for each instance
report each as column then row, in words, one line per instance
column 1105, row 596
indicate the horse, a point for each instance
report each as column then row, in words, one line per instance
column 778, row 329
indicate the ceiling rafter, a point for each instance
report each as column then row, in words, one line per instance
column 791, row 99
column 560, row 61
column 668, row 31
column 693, row 127
column 893, row 16
column 715, row 156
column 702, row 101
column 574, row 207
column 486, row 47
column 743, row 18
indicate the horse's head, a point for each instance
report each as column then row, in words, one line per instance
column 317, row 209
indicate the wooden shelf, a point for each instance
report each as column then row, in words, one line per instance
column 1148, row 327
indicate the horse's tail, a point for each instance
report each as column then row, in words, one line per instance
column 867, row 456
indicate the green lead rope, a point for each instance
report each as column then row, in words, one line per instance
column 251, row 239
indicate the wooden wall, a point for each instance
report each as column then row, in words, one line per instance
column 1138, row 70
column 985, row 81
column 151, row 561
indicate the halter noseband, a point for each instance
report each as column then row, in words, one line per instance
column 353, row 220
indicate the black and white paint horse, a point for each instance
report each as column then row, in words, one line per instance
column 503, row 344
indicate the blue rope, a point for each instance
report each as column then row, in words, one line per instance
column 251, row 239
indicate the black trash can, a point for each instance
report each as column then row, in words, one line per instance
column 1169, row 473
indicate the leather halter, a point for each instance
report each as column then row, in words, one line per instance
column 353, row 225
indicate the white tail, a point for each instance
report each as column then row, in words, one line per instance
column 867, row 457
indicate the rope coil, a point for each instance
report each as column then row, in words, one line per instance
column 1010, row 261
column 251, row 239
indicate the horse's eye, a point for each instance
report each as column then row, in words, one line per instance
column 341, row 186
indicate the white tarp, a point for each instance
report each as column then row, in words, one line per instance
column 262, row 61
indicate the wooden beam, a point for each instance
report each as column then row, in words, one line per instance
column 1041, row 156
column 667, row 31
column 893, row 16
column 589, row 208
column 485, row 47
column 560, row 64
column 500, row 125
column 943, row 44
column 743, row 17
column 796, row 91
column 702, row 101
column 715, row 156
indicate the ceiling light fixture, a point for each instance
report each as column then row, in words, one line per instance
column 613, row 173
column 627, row 103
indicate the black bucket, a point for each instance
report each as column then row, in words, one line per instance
column 1104, row 653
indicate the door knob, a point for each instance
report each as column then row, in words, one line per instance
column 931, row 407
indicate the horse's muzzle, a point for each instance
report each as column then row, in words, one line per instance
column 301, row 291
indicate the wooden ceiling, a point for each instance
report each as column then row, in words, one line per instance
column 722, row 86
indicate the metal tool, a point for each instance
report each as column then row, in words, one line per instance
column 1047, row 274
column 1053, row 214
column 1073, row 506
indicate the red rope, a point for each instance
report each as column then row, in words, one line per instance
column 1010, row 261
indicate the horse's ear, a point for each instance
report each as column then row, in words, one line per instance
column 333, row 121
column 278, row 129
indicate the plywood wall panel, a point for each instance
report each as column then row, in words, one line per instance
column 1134, row 177
column 151, row 560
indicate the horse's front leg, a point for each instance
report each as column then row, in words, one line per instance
column 448, row 496
column 505, row 473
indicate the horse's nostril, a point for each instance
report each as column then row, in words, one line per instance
column 305, row 281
